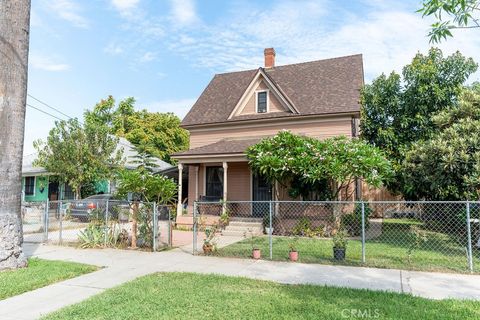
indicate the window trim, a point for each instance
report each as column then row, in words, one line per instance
column 267, row 91
column 34, row 186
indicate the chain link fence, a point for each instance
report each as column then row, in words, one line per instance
column 427, row 236
column 94, row 223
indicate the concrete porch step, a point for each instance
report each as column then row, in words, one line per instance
column 243, row 227
column 246, row 219
column 245, row 224
column 240, row 233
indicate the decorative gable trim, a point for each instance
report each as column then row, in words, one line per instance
column 251, row 90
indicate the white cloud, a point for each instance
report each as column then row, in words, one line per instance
column 183, row 12
column 125, row 7
column 68, row 10
column 179, row 107
column 113, row 49
column 388, row 36
column 47, row 63
column 147, row 57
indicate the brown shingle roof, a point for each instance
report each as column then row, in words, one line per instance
column 224, row 146
column 318, row 87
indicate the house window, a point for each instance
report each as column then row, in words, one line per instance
column 29, row 186
column 214, row 183
column 262, row 101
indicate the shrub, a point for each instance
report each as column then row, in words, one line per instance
column 340, row 240
column 352, row 222
column 305, row 228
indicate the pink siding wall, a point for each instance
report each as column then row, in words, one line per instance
column 238, row 179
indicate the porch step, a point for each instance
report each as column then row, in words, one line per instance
column 245, row 224
column 241, row 228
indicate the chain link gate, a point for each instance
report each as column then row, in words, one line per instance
column 92, row 223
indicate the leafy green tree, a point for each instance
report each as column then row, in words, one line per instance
column 145, row 186
column 398, row 110
column 287, row 157
column 78, row 154
column 447, row 166
column 451, row 15
column 158, row 134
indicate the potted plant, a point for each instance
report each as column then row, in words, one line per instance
column 293, row 253
column 210, row 242
column 340, row 245
column 256, row 253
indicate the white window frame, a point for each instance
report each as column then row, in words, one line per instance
column 267, row 91
column 34, row 186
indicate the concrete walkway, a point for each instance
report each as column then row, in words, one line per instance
column 122, row 265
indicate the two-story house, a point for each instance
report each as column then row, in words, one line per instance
column 237, row 109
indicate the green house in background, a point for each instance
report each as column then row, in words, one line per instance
column 38, row 184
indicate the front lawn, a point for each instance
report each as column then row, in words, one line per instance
column 39, row 273
column 389, row 250
column 194, row 296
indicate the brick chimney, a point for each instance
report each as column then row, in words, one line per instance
column 269, row 57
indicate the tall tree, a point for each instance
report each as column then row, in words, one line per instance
column 158, row 134
column 78, row 154
column 447, row 166
column 398, row 111
column 451, row 15
column 14, row 42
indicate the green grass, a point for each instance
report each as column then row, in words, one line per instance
column 194, row 296
column 439, row 253
column 39, row 273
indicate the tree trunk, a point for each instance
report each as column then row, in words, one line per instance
column 14, row 36
column 136, row 209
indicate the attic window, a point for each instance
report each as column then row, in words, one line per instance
column 262, row 99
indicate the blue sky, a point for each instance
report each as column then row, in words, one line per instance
column 164, row 52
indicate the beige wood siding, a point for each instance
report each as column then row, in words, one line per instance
column 273, row 104
column 319, row 129
column 238, row 176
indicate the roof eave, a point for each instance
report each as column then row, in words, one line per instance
column 273, row 119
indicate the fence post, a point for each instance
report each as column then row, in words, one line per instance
column 169, row 228
column 155, row 226
column 270, row 243
column 469, row 235
column 106, row 224
column 363, row 232
column 195, row 227
column 45, row 221
column 60, row 223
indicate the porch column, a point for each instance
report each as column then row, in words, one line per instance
column 225, row 184
column 196, row 182
column 180, row 181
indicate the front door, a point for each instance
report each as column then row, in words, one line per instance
column 53, row 191
column 262, row 191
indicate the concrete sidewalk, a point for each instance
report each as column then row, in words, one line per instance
column 123, row 265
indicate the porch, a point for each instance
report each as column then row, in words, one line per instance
column 218, row 172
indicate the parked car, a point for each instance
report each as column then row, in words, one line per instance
column 85, row 208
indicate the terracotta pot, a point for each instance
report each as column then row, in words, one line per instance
column 207, row 249
column 293, row 255
column 339, row 254
column 256, row 254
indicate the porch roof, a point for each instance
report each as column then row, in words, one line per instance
column 227, row 147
